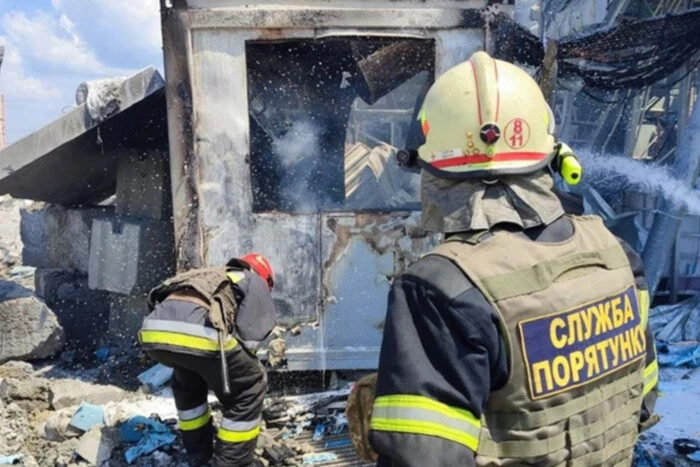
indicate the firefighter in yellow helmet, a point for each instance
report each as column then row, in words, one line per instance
column 522, row 339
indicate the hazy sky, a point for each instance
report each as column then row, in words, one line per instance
column 53, row 45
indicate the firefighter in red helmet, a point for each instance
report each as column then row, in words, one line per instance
column 207, row 325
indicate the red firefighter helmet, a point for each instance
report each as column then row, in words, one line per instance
column 260, row 265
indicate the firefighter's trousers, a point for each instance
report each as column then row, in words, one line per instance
column 193, row 377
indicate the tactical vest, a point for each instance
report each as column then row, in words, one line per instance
column 571, row 319
column 209, row 288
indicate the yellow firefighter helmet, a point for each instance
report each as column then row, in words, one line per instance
column 485, row 118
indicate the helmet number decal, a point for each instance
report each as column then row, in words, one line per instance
column 517, row 133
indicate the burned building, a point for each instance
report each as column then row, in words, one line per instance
column 283, row 122
column 275, row 131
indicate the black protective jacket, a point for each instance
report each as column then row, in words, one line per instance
column 442, row 341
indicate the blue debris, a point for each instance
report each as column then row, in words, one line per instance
column 149, row 443
column 642, row 458
column 148, row 433
column 134, row 429
column 679, row 354
column 155, row 377
column 337, row 444
column 695, row 456
column 319, row 432
column 87, row 416
column 10, row 460
column 102, row 354
column 341, row 422
column 320, row 457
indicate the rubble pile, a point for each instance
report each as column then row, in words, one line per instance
column 51, row 415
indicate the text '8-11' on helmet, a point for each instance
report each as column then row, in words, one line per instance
column 485, row 118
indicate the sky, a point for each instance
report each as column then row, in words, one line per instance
column 51, row 46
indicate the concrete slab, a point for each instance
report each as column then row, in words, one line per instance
column 143, row 185
column 82, row 312
column 59, row 237
column 129, row 255
column 73, row 160
column 96, row 445
column 32, row 229
column 70, row 392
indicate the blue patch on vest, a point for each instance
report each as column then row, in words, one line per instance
column 566, row 350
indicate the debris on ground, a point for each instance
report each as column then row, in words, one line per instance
column 676, row 323
column 10, row 460
column 73, row 392
column 677, row 332
column 150, row 442
column 48, row 416
column 87, row 416
column 679, row 354
column 643, row 458
column 315, row 459
column 155, row 377
column 30, row 330
column 96, row 445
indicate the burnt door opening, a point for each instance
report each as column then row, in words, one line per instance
column 325, row 115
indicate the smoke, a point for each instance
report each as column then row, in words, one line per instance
column 300, row 144
column 618, row 173
column 298, row 152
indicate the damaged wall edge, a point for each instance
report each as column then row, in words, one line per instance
column 183, row 162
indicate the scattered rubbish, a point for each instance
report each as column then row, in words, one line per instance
column 155, row 377
column 149, row 443
column 642, row 458
column 676, row 323
column 22, row 271
column 132, row 430
column 317, row 458
column 278, row 453
column 58, row 426
column 337, row 444
column 686, row 445
column 341, row 423
column 10, row 460
column 319, row 432
column 87, row 416
column 679, row 354
column 102, row 354
column 275, row 351
column 150, row 435
column 96, row 445
column 333, row 407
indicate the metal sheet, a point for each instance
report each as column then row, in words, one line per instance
column 362, row 253
column 291, row 244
